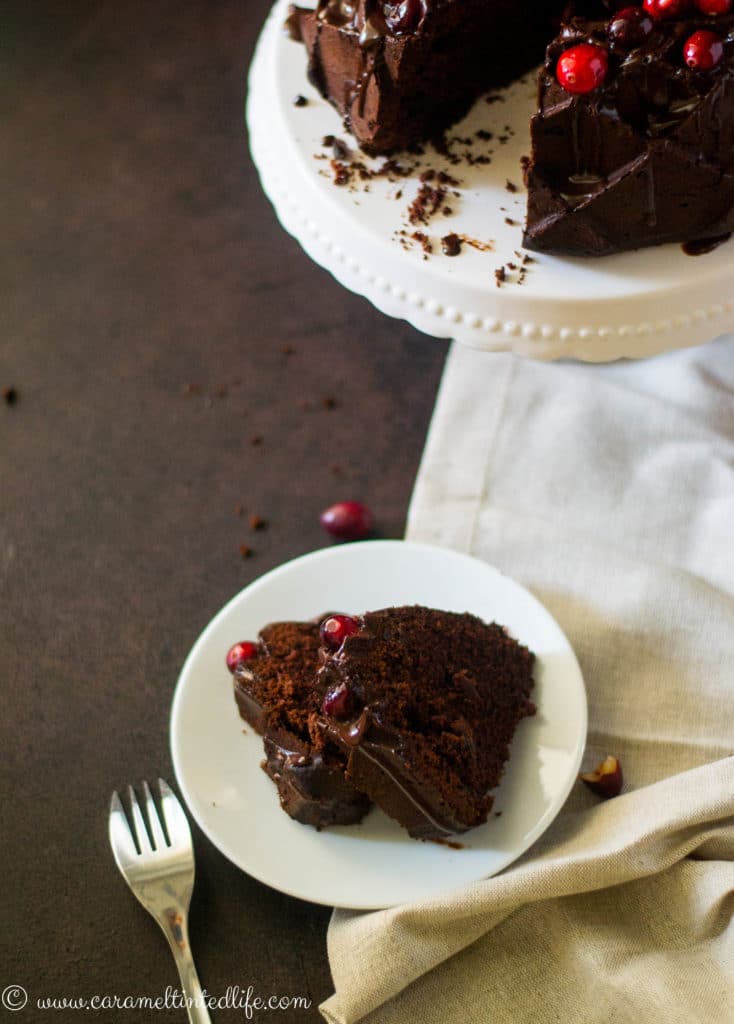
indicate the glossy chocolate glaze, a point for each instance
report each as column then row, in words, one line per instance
column 395, row 89
column 311, row 783
column 646, row 158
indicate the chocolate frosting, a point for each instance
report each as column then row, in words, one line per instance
column 647, row 158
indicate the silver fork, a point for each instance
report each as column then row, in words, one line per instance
column 160, row 872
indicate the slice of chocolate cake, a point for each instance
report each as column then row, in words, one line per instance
column 274, row 686
column 424, row 704
column 633, row 142
column 401, row 71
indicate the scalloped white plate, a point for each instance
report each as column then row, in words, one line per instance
column 375, row 864
column 630, row 305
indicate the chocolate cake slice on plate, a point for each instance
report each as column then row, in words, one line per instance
column 423, row 705
column 275, row 689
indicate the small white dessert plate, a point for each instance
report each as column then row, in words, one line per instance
column 633, row 304
column 374, row 864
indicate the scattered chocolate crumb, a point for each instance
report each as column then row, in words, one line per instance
column 246, row 551
column 484, row 135
column 399, row 194
column 451, row 245
column 510, row 186
column 257, row 522
column 342, row 172
column 511, row 222
column 512, row 266
column 10, row 395
column 528, row 259
column 447, row 211
column 425, row 243
column 329, row 402
column 428, row 201
column 525, row 163
column 328, row 140
column 500, row 276
column 452, row 843
column 288, row 350
column 256, row 440
column 498, row 814
column 300, row 101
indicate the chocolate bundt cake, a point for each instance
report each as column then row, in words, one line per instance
column 632, row 143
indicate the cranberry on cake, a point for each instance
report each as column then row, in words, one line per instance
column 423, row 705
column 274, row 683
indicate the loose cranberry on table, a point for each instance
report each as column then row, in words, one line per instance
column 338, row 702
column 606, row 780
column 336, row 628
column 582, row 68
column 703, row 50
column 667, row 8
column 347, row 520
column 239, row 653
column 629, row 28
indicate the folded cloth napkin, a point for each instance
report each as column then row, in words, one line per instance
column 609, row 492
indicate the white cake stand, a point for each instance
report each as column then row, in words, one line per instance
column 631, row 305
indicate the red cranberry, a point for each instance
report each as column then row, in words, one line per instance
column 667, row 8
column 629, row 28
column 582, row 68
column 239, row 653
column 403, row 17
column 703, row 50
column 714, row 7
column 336, row 629
column 337, row 703
column 347, row 520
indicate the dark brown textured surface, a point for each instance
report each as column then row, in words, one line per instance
column 138, row 256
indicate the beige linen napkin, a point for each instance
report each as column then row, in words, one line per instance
column 609, row 492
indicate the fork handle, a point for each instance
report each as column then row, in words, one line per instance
column 177, row 933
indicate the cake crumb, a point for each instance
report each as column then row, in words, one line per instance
column 257, row 522
column 510, row 186
column 256, row 440
column 500, row 276
column 300, row 101
column 329, row 402
column 10, row 395
column 425, row 243
column 246, row 551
